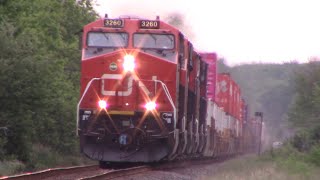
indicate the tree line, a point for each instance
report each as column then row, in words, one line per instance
column 305, row 112
column 39, row 73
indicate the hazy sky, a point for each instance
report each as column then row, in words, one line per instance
column 238, row 30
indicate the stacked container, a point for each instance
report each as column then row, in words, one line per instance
column 211, row 60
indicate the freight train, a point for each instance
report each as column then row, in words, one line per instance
column 147, row 95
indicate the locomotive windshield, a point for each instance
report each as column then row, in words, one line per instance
column 107, row 39
column 153, row 41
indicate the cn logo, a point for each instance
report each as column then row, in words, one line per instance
column 106, row 77
column 128, row 90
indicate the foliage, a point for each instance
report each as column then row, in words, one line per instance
column 314, row 155
column 43, row 157
column 305, row 140
column 3, row 141
column 300, row 152
column 305, row 113
column 301, row 141
column 39, row 73
column 289, row 159
column 10, row 167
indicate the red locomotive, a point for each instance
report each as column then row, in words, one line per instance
column 147, row 95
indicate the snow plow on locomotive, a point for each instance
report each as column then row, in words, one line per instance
column 147, row 95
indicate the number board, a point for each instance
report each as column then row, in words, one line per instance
column 149, row 24
column 113, row 23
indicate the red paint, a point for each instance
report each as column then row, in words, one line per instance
column 211, row 61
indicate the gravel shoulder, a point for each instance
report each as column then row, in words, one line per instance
column 193, row 172
column 247, row 167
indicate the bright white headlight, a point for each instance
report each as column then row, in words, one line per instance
column 128, row 63
column 102, row 104
column 150, row 106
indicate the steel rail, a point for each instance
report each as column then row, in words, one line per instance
column 119, row 173
column 51, row 173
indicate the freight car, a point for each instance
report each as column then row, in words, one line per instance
column 147, row 95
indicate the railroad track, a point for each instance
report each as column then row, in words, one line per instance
column 93, row 172
column 120, row 173
column 53, row 173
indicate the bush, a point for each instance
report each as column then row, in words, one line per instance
column 314, row 155
column 3, row 141
column 43, row 157
column 315, row 135
column 10, row 167
column 286, row 151
column 289, row 159
column 301, row 141
column 294, row 164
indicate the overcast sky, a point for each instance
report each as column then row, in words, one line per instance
column 241, row 31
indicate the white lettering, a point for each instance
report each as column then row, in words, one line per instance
column 113, row 93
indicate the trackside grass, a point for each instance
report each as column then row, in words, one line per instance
column 41, row 158
column 266, row 167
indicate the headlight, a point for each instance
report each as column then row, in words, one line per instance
column 102, row 104
column 128, row 63
column 150, row 106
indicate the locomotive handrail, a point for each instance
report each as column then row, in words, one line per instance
column 78, row 106
column 164, row 86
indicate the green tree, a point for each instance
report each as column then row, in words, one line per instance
column 39, row 60
column 305, row 113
